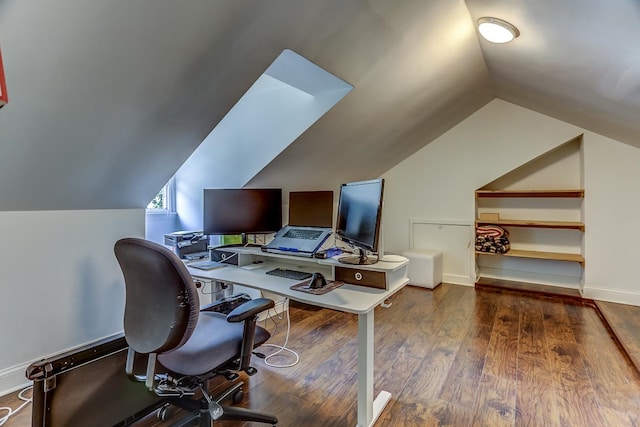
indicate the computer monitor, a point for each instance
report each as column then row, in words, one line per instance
column 242, row 211
column 359, row 218
column 311, row 208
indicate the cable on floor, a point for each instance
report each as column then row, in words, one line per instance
column 280, row 348
column 11, row 412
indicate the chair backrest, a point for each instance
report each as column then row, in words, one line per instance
column 162, row 305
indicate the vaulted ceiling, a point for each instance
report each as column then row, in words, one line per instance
column 107, row 98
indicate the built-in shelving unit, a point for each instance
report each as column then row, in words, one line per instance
column 503, row 222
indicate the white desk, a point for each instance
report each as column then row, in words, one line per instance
column 348, row 298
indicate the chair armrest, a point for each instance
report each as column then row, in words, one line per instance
column 249, row 309
column 227, row 304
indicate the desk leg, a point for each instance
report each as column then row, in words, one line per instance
column 368, row 409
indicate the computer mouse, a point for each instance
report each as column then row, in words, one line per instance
column 317, row 281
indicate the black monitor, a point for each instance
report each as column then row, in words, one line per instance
column 311, row 208
column 242, row 211
column 360, row 217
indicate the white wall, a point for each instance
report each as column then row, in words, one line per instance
column 61, row 284
column 437, row 185
column 612, row 218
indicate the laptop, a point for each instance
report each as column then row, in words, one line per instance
column 310, row 220
column 300, row 241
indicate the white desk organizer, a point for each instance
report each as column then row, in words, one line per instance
column 425, row 267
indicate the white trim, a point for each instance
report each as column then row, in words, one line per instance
column 609, row 295
column 458, row 279
column 13, row 379
column 170, row 194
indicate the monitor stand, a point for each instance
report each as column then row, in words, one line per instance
column 360, row 259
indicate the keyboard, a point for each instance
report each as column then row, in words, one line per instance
column 289, row 274
column 206, row 265
column 302, row 234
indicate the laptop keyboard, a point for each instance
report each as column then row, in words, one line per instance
column 289, row 274
column 296, row 233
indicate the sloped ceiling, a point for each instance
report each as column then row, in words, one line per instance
column 575, row 60
column 107, row 98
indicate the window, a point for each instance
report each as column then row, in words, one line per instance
column 165, row 200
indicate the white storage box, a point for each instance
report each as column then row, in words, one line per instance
column 425, row 267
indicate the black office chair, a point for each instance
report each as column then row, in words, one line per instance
column 184, row 346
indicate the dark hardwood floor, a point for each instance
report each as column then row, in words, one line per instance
column 454, row 356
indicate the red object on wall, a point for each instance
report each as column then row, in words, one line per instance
column 4, row 98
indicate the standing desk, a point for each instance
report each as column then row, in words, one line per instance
column 357, row 299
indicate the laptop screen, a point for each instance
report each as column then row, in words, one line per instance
column 311, row 208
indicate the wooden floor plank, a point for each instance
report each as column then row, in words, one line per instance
column 464, row 375
column 556, row 321
column 501, row 359
column 609, row 379
column 496, row 402
column 532, row 340
column 535, row 397
column 577, row 401
column 624, row 320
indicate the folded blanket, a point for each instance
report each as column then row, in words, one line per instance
column 491, row 231
column 492, row 239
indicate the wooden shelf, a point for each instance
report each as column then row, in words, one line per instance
column 575, row 193
column 567, row 225
column 554, row 256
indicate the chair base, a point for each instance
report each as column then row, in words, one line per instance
column 198, row 410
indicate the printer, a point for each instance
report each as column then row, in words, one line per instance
column 188, row 244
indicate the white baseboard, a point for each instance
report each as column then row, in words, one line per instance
column 458, row 279
column 13, row 379
column 611, row 296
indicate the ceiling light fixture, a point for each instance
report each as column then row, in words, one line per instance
column 496, row 30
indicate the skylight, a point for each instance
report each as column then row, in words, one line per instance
column 291, row 95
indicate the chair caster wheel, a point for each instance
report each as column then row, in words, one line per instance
column 163, row 412
column 238, row 396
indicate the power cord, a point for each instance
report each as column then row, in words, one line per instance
column 280, row 348
column 12, row 412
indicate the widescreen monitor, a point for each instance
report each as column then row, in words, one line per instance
column 359, row 218
column 242, row 211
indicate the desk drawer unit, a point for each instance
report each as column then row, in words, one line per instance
column 356, row 276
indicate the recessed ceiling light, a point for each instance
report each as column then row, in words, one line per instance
column 496, row 30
